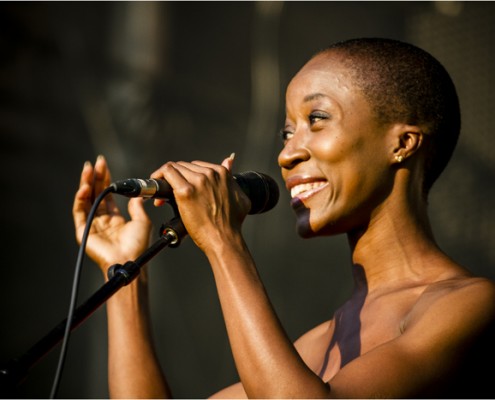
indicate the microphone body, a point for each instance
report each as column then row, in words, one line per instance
column 261, row 189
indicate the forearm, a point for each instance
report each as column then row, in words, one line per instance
column 134, row 370
column 268, row 364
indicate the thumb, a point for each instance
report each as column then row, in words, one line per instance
column 229, row 162
column 136, row 209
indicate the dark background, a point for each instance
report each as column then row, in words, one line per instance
column 144, row 83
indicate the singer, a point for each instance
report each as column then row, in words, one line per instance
column 370, row 125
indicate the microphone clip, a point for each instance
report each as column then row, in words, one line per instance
column 173, row 229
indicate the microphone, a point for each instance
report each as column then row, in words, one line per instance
column 261, row 189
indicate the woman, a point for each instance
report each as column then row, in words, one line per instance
column 370, row 125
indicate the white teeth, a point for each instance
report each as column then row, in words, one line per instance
column 305, row 187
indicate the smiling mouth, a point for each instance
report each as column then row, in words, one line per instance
column 305, row 190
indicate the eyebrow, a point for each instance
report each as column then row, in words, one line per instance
column 313, row 96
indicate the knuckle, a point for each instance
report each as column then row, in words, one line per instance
column 203, row 179
column 211, row 174
column 168, row 166
column 185, row 192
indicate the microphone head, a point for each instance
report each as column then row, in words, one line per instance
column 261, row 189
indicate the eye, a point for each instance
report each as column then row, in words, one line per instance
column 317, row 116
column 285, row 135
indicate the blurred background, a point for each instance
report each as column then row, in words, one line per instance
column 148, row 82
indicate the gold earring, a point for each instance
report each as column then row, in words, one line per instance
column 399, row 159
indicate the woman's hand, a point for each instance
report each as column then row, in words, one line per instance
column 211, row 205
column 111, row 239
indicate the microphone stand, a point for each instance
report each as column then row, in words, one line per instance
column 16, row 370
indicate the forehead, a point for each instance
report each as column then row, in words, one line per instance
column 324, row 75
column 324, row 72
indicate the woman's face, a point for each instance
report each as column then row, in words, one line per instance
column 335, row 160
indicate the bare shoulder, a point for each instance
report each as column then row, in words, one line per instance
column 463, row 291
column 464, row 303
column 315, row 336
column 312, row 344
column 450, row 329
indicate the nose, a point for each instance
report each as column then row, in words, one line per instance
column 293, row 153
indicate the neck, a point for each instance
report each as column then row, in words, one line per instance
column 396, row 247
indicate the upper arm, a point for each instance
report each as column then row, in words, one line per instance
column 235, row 391
column 305, row 346
column 439, row 335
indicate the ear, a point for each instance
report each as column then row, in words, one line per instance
column 406, row 141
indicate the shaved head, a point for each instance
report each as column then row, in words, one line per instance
column 405, row 84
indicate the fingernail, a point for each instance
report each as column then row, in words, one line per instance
column 100, row 157
column 87, row 164
column 232, row 156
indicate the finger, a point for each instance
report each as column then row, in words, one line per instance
column 82, row 199
column 196, row 172
column 229, row 162
column 170, row 173
column 222, row 171
column 206, row 167
column 159, row 202
column 107, row 179
column 110, row 206
column 185, row 167
column 137, row 211
column 86, row 174
column 192, row 169
column 102, row 180
column 226, row 164
column 201, row 174
column 80, row 209
column 101, row 175
column 201, row 164
column 82, row 203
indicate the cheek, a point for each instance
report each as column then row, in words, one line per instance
column 362, row 177
column 330, row 149
column 343, row 161
column 359, row 181
column 364, row 187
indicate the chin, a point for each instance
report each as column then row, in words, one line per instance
column 321, row 224
column 303, row 225
column 305, row 231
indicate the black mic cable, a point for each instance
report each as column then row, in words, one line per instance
column 75, row 289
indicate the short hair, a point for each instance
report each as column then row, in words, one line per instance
column 404, row 83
